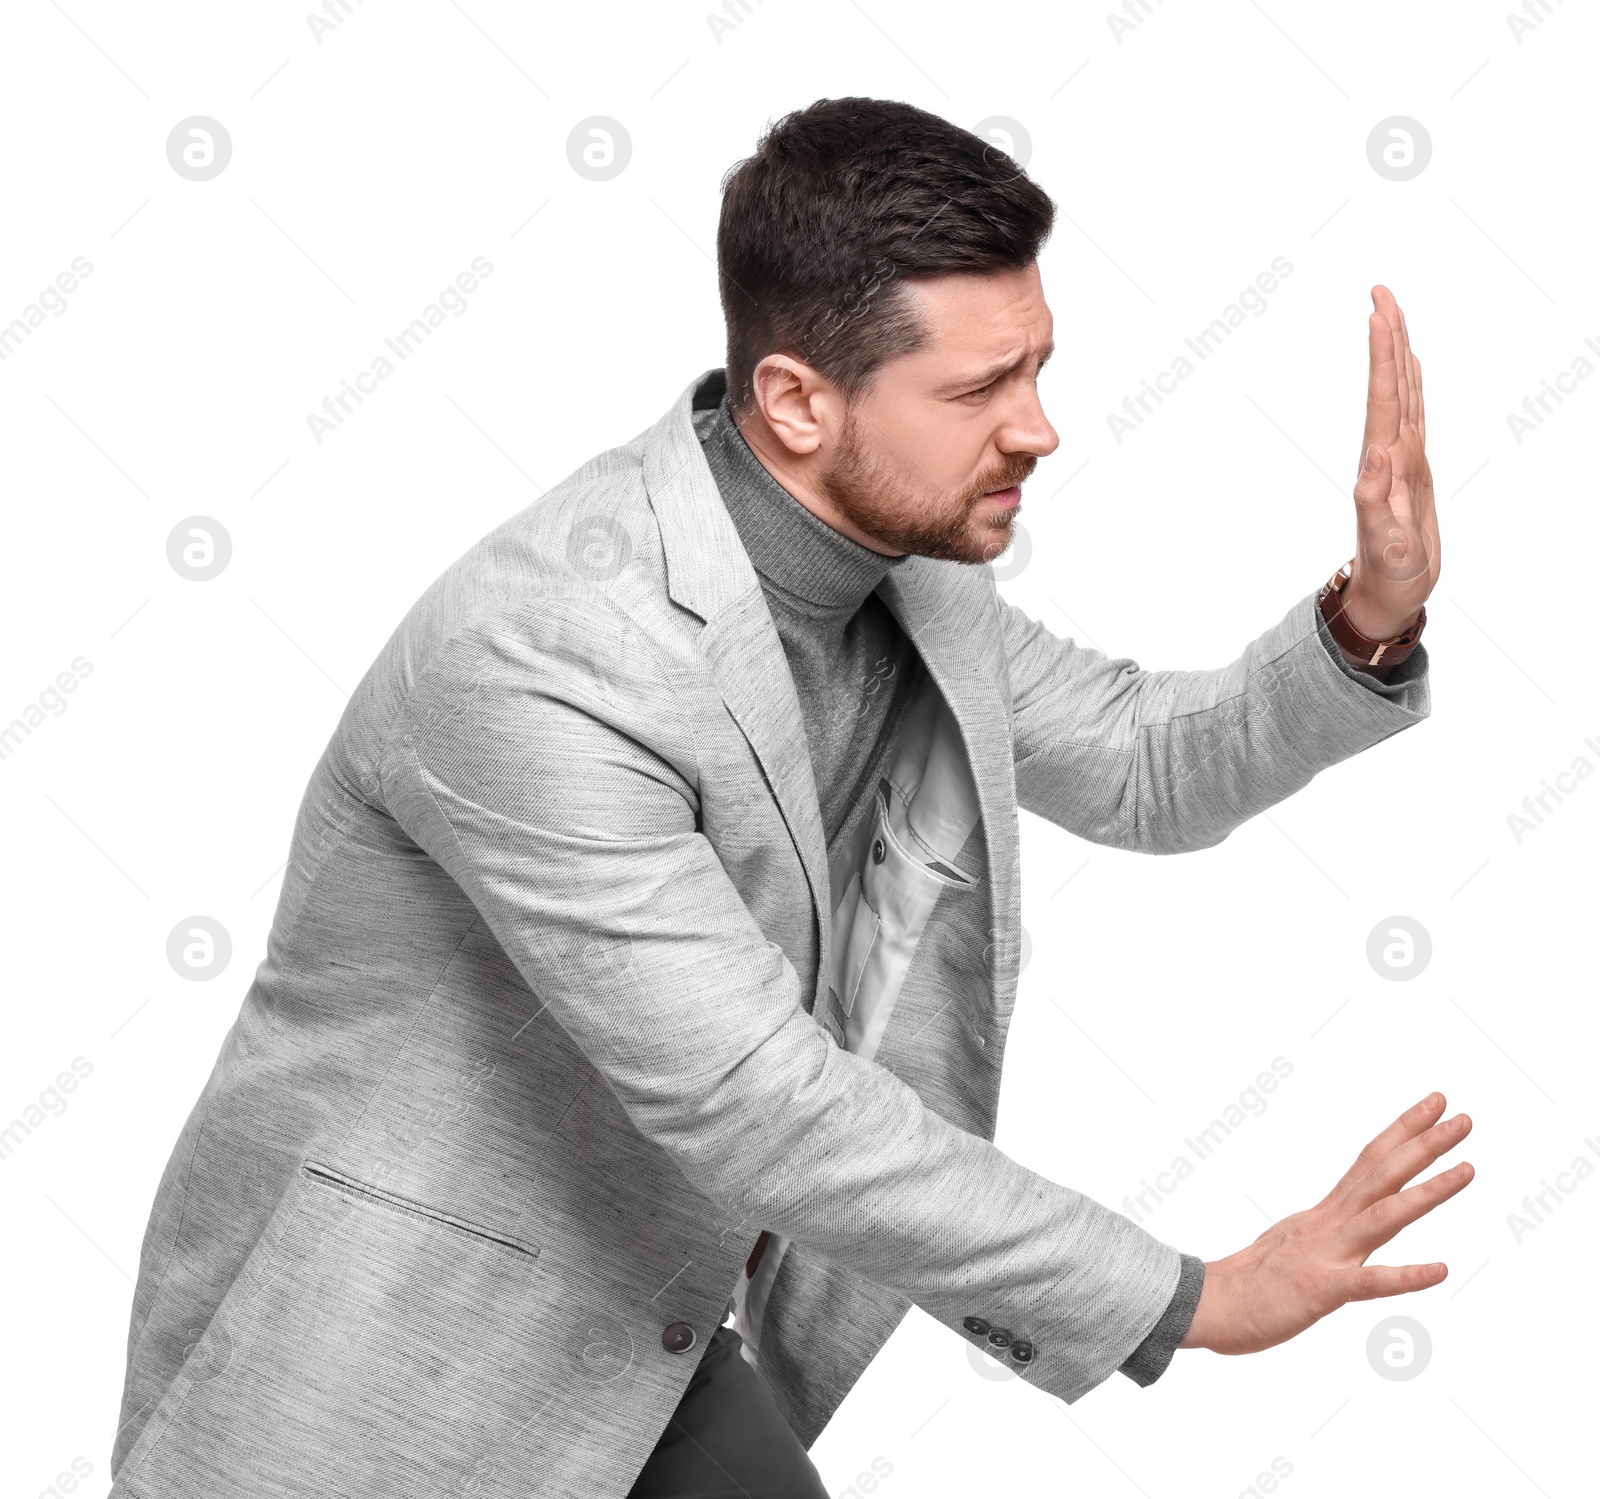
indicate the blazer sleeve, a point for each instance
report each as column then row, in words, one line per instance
column 1168, row 761
column 545, row 758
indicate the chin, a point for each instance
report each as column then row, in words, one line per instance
column 993, row 541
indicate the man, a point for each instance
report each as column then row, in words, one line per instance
column 650, row 931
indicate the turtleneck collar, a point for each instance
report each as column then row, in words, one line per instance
column 815, row 568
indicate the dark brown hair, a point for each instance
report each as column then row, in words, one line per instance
column 841, row 205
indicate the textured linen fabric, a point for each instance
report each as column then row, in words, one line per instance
column 854, row 671
column 1148, row 1362
column 530, row 1059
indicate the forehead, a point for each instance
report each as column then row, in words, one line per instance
column 982, row 314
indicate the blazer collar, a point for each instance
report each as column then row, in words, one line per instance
column 707, row 569
column 709, row 574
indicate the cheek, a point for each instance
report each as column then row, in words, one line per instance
column 927, row 454
column 962, row 443
column 944, row 457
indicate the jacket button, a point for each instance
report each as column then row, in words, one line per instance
column 975, row 1324
column 1022, row 1352
column 999, row 1337
column 878, row 850
column 677, row 1337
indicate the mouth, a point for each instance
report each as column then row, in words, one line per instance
column 1005, row 498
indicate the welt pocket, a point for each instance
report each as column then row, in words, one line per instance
column 924, row 862
column 327, row 1176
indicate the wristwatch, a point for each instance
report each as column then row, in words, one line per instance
column 1374, row 652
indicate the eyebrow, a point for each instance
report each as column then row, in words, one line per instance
column 994, row 372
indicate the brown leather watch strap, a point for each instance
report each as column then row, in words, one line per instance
column 1383, row 653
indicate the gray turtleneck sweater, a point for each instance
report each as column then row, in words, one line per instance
column 855, row 673
column 853, row 667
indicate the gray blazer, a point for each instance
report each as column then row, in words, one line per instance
column 532, row 1057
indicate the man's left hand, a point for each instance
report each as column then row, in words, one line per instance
column 1397, row 533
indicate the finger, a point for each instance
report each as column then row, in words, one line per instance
column 1418, row 406
column 1393, row 1171
column 1416, row 1119
column 1394, row 314
column 1372, row 1281
column 1384, row 302
column 1386, row 1217
column 1372, row 488
column 1424, row 486
column 1383, row 388
column 1402, row 351
column 1403, row 331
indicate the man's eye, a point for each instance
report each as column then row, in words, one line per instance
column 982, row 390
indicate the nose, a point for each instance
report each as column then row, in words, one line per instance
column 1029, row 430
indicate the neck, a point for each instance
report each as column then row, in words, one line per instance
column 800, row 474
column 818, row 570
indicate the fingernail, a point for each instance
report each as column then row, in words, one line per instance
column 1370, row 466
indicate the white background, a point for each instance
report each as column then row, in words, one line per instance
column 371, row 167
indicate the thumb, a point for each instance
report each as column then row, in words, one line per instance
column 1372, row 483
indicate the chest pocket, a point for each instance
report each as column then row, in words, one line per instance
column 903, row 861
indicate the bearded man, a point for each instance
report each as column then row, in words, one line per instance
column 624, row 1060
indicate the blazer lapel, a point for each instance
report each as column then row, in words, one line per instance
column 943, row 613
column 709, row 574
column 752, row 672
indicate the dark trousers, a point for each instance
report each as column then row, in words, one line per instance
column 727, row 1440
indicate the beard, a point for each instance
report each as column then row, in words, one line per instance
column 902, row 509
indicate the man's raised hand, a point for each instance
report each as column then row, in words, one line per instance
column 1397, row 532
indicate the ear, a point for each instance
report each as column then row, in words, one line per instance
column 798, row 404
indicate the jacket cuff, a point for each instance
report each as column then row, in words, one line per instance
column 1149, row 1360
column 1413, row 667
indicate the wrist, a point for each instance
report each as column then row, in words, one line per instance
column 1371, row 619
column 1370, row 636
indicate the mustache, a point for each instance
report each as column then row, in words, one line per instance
column 1014, row 469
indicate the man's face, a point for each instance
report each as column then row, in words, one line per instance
column 932, row 457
